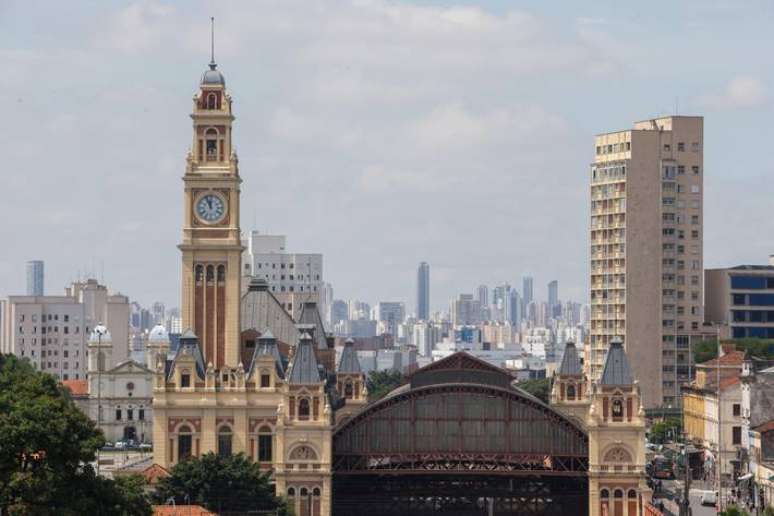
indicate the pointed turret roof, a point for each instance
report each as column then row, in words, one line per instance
column 349, row 364
column 310, row 315
column 617, row 370
column 304, row 369
column 189, row 343
column 267, row 346
column 571, row 365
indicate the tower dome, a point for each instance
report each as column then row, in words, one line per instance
column 101, row 334
column 213, row 77
column 158, row 334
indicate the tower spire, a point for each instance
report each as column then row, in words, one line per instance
column 212, row 43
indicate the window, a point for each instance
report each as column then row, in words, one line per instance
column 141, row 414
column 118, row 414
column 130, row 414
column 303, row 409
column 264, row 444
column 667, row 147
column 695, row 189
column 183, row 443
column 570, row 392
column 265, row 379
column 224, row 441
column 348, row 390
column 695, row 170
column 680, row 146
column 617, row 410
column 736, row 435
column 737, row 409
column 185, row 380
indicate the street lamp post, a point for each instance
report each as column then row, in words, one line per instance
column 98, row 331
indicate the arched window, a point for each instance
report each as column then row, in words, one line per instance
column 210, row 273
column 632, row 493
column 211, row 142
column 316, row 491
column 291, row 492
column 303, row 409
column 570, row 392
column 265, row 442
column 221, row 273
column 618, row 493
column 604, row 494
column 303, row 491
column 617, row 411
column 184, row 441
column 212, row 101
column 199, row 273
column 224, row 441
column 348, row 390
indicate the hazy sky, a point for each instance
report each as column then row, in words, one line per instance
column 379, row 133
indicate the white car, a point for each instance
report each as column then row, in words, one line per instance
column 120, row 445
column 709, row 498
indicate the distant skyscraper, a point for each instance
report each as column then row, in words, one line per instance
column 526, row 291
column 423, row 292
column 482, row 292
column 514, row 308
column 554, row 307
column 35, row 278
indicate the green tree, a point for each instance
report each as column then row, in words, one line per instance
column 539, row 388
column 734, row 511
column 46, row 445
column 662, row 431
column 233, row 483
column 380, row 383
column 708, row 349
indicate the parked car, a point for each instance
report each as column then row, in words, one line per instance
column 709, row 498
column 146, row 446
column 120, row 445
column 108, row 444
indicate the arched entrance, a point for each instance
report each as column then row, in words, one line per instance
column 460, row 440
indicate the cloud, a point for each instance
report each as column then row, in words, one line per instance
column 741, row 93
column 138, row 27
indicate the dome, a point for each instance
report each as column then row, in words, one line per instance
column 158, row 334
column 213, row 77
column 100, row 334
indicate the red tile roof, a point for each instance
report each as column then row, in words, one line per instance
column 153, row 473
column 77, row 387
column 181, row 510
column 731, row 358
column 765, row 427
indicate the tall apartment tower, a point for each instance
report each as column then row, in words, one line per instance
column 554, row 308
column 35, row 271
column 646, row 250
column 423, row 292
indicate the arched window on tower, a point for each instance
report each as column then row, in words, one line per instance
column 211, row 143
column 212, row 101
column 348, row 390
column 199, row 273
column 210, row 273
column 570, row 392
column 303, row 409
column 617, row 411
column 221, row 273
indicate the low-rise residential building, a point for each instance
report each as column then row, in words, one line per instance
column 700, row 411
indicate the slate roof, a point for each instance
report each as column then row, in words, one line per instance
column 189, row 340
column 304, row 369
column 261, row 310
column 349, row 364
column 617, row 370
column 310, row 315
column 571, row 365
column 267, row 346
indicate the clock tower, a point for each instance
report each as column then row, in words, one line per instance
column 211, row 246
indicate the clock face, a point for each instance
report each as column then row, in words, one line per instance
column 210, row 208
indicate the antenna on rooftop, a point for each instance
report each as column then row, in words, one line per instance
column 212, row 40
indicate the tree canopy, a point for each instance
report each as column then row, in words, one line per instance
column 46, row 446
column 232, row 483
column 708, row 349
column 661, row 431
column 380, row 383
column 539, row 388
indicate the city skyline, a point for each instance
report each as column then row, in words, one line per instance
column 295, row 152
